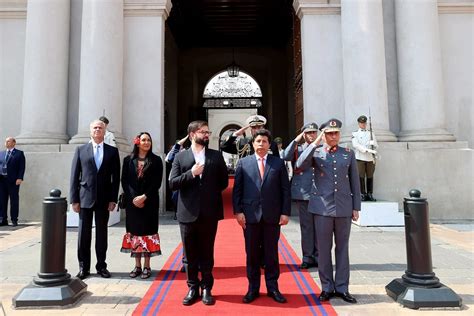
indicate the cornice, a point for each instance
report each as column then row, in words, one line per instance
column 317, row 7
column 142, row 8
column 13, row 9
column 464, row 7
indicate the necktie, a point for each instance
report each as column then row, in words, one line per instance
column 97, row 156
column 4, row 166
column 261, row 167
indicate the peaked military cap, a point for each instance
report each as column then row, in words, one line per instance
column 309, row 127
column 362, row 119
column 255, row 120
column 333, row 125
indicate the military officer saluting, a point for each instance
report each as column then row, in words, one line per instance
column 335, row 202
column 301, row 187
column 243, row 146
column 365, row 144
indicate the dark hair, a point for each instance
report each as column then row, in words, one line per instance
column 196, row 125
column 134, row 153
column 262, row 132
column 104, row 119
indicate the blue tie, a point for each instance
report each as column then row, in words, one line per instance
column 4, row 166
column 97, row 156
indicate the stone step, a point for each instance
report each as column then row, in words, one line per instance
column 380, row 213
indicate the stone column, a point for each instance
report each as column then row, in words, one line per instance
column 44, row 108
column 365, row 80
column 101, row 67
column 321, row 60
column 419, row 72
column 144, row 69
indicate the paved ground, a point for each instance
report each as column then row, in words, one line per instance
column 377, row 257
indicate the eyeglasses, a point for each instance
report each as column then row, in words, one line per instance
column 204, row 132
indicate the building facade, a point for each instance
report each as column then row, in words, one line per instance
column 65, row 63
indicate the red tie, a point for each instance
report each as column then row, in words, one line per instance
column 261, row 167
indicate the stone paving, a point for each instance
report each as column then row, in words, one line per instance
column 377, row 257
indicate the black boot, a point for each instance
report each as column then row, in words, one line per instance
column 370, row 189
column 363, row 194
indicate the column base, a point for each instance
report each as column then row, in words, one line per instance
column 416, row 297
column 41, row 138
column 380, row 135
column 39, row 296
column 426, row 135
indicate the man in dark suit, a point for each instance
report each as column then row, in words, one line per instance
column 262, row 203
column 95, row 179
column 12, row 162
column 335, row 202
column 200, row 175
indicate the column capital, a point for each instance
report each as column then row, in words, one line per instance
column 147, row 8
column 317, row 7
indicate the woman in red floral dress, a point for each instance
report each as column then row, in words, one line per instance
column 141, row 179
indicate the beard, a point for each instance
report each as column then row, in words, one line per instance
column 202, row 141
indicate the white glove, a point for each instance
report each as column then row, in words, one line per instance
column 372, row 142
column 372, row 151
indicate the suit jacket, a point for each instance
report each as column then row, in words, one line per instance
column 199, row 196
column 257, row 198
column 302, row 183
column 89, row 186
column 337, row 180
column 15, row 164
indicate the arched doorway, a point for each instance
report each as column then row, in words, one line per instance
column 228, row 101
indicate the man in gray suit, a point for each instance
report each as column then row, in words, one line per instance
column 335, row 202
column 301, row 188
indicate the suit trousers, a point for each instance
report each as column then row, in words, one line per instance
column 267, row 236
column 340, row 228
column 198, row 242
column 309, row 240
column 9, row 190
column 101, row 217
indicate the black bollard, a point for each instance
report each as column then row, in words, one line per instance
column 53, row 286
column 419, row 287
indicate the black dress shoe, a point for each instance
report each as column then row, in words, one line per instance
column 277, row 297
column 371, row 198
column 207, row 297
column 250, row 296
column 347, row 297
column 191, row 297
column 325, row 296
column 306, row 265
column 83, row 274
column 104, row 273
column 4, row 223
column 14, row 223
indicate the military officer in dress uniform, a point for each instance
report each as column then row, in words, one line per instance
column 335, row 202
column 365, row 145
column 242, row 146
column 301, row 187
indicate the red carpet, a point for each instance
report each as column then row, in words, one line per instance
column 167, row 291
